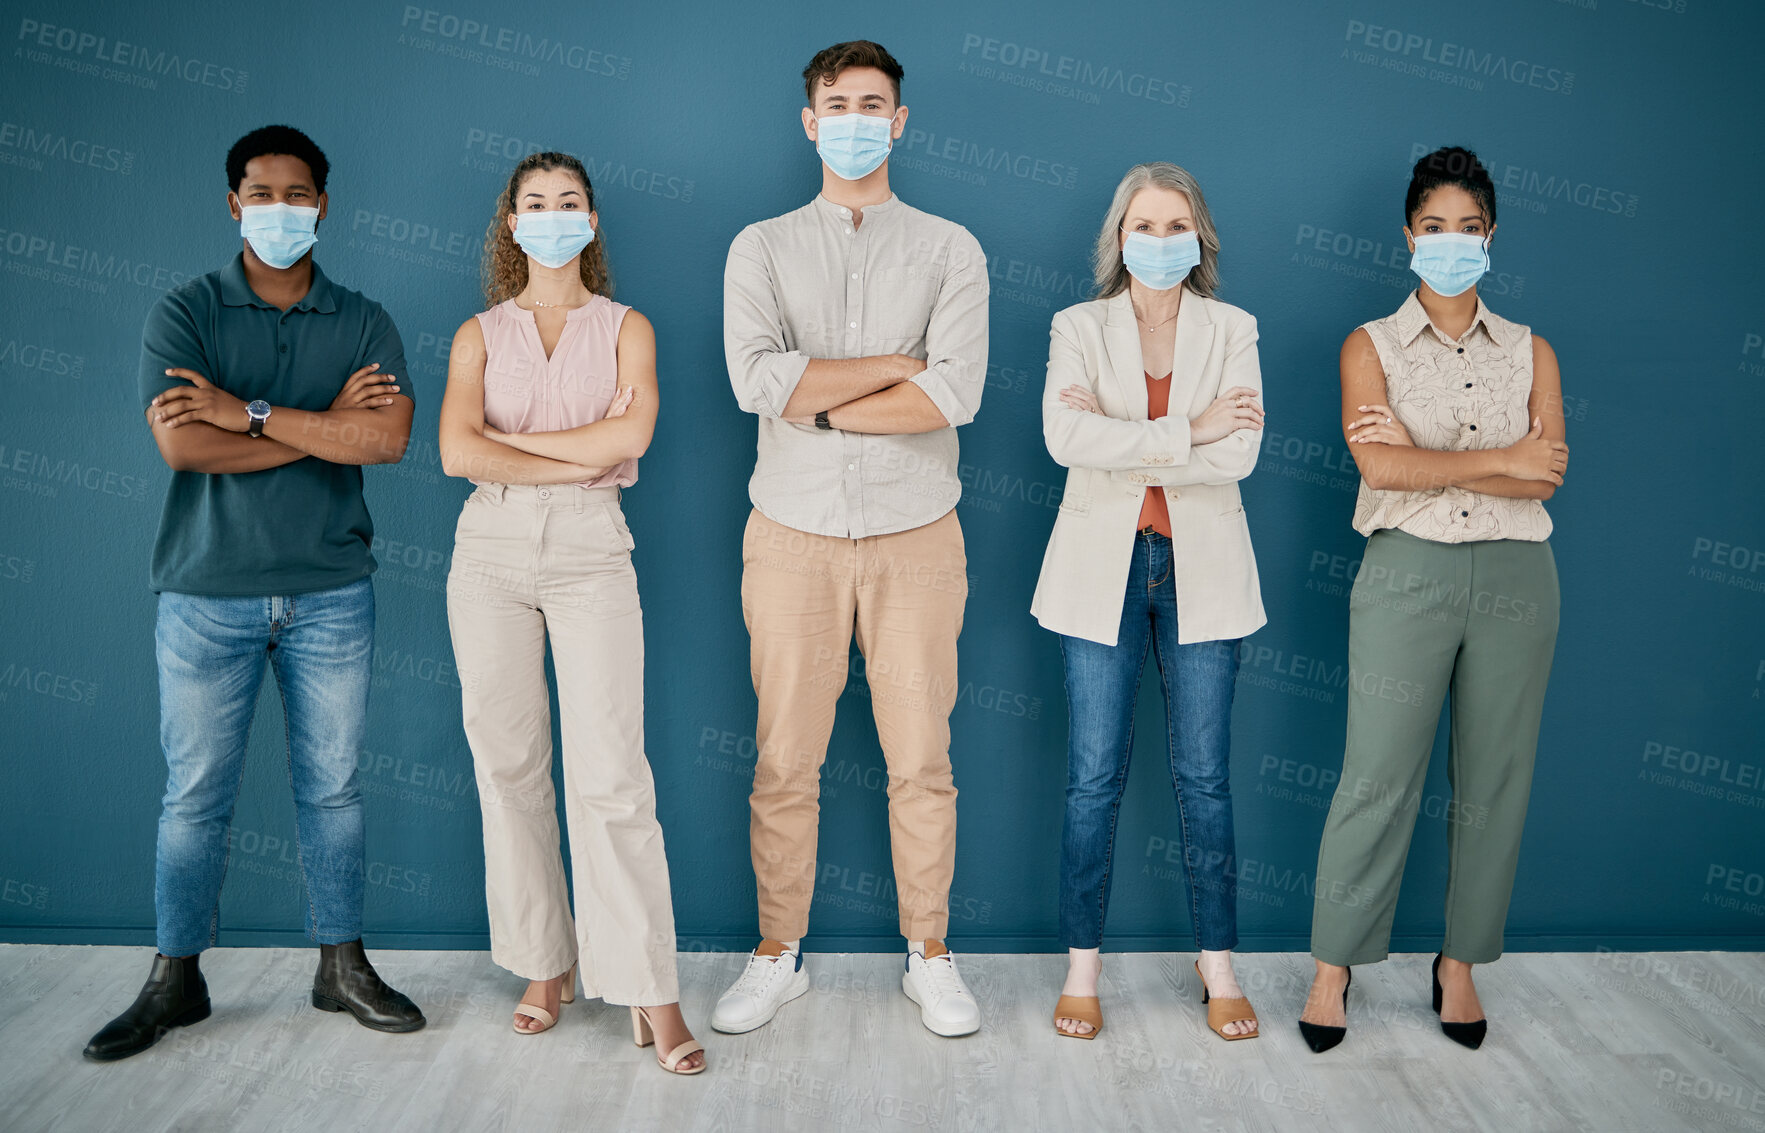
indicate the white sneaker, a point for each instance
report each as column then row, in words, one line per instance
column 766, row 984
column 945, row 1005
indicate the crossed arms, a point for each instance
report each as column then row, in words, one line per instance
column 882, row 393
column 1530, row 468
column 1169, row 451
column 200, row 427
column 475, row 450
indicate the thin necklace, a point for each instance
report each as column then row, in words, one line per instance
column 571, row 306
column 1150, row 327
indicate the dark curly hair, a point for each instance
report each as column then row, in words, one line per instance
column 1450, row 165
column 829, row 62
column 266, row 140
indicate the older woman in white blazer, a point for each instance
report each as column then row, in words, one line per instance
column 1154, row 404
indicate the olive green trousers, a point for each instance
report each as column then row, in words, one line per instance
column 1474, row 620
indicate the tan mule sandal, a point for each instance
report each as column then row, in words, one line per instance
column 1085, row 1009
column 534, row 1011
column 1222, row 1011
column 643, row 1034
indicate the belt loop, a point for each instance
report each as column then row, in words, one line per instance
column 494, row 491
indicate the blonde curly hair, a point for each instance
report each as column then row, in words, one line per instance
column 505, row 264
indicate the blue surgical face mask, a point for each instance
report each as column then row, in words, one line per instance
column 1161, row 262
column 853, row 145
column 280, row 233
column 1450, row 262
column 553, row 238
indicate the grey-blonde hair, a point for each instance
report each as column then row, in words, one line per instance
column 1106, row 260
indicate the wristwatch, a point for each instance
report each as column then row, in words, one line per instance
column 821, row 420
column 259, row 412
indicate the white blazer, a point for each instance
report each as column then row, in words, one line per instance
column 1114, row 457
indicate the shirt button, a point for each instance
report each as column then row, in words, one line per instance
column 1473, row 428
column 1467, row 385
column 284, row 348
column 1461, row 350
column 1464, row 513
column 854, row 275
column 851, row 468
column 853, row 325
column 848, row 232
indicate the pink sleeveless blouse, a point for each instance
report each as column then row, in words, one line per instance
column 524, row 392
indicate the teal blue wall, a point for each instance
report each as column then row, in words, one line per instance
column 1624, row 136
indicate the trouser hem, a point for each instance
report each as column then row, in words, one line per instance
column 1349, row 959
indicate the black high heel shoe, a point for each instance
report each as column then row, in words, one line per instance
column 1321, row 1038
column 1465, row 1034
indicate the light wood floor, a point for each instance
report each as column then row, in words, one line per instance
column 1606, row 1043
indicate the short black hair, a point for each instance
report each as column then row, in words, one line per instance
column 276, row 139
column 1450, row 165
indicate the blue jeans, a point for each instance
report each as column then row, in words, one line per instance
column 211, row 664
column 1102, row 684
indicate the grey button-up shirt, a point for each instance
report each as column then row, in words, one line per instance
column 810, row 284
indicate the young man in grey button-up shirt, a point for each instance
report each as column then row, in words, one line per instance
column 856, row 330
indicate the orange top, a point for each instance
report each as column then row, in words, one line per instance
column 1153, row 510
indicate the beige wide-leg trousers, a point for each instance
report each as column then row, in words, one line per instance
column 555, row 559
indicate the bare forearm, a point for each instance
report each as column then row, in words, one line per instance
column 830, row 382
column 1511, row 488
column 602, row 443
column 198, row 446
column 342, row 436
column 902, row 408
column 1406, row 468
column 480, row 458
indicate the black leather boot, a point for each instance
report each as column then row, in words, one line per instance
column 175, row 995
column 346, row 981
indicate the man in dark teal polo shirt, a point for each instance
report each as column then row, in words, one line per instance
column 266, row 387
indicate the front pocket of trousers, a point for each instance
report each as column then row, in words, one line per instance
column 616, row 525
column 587, row 565
column 490, row 553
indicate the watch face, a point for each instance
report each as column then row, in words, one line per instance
column 258, row 409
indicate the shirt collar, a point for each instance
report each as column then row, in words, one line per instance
column 1411, row 319
column 840, row 212
column 237, row 292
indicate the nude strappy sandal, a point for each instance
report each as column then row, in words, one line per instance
column 534, row 1011
column 1085, row 1009
column 1236, row 1009
column 643, row 1034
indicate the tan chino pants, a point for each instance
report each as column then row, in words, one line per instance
column 803, row 596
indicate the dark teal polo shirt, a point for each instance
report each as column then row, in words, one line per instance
column 300, row 527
